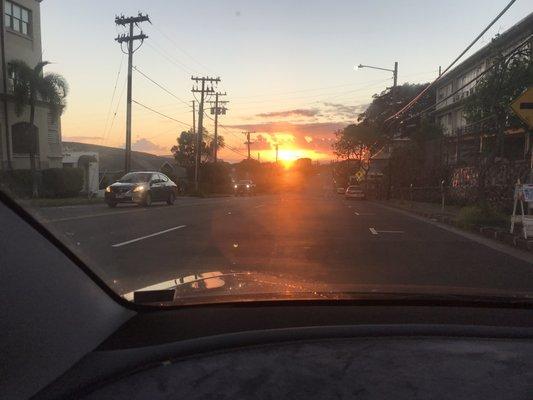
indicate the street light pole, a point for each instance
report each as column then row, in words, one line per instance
column 393, row 92
column 394, row 71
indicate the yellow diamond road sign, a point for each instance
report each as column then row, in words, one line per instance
column 523, row 107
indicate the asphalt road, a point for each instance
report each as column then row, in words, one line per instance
column 315, row 234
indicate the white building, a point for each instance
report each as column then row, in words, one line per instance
column 89, row 162
column 20, row 38
column 463, row 141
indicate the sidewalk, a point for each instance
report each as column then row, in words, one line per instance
column 449, row 215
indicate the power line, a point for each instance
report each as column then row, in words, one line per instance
column 160, row 86
column 181, row 66
column 113, row 96
column 507, row 56
column 417, row 97
column 161, row 114
column 169, row 38
column 106, row 134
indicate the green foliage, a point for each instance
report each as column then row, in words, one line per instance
column 388, row 102
column 495, row 91
column 480, row 215
column 185, row 150
column 215, row 178
column 62, row 182
column 266, row 176
column 31, row 84
column 18, row 182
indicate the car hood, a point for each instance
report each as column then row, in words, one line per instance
column 232, row 286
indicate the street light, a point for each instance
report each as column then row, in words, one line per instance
column 394, row 71
column 395, row 78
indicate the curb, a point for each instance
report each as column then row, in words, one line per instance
column 497, row 234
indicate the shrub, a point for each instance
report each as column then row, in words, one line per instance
column 62, row 182
column 18, row 182
column 473, row 216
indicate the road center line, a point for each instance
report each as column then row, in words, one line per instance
column 148, row 236
column 373, row 231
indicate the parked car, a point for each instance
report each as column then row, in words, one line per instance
column 142, row 188
column 355, row 192
column 244, row 187
column 340, row 190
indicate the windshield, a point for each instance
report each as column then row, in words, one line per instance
column 135, row 177
column 319, row 149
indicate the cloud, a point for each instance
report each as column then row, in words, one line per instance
column 148, row 146
column 340, row 110
column 317, row 136
column 311, row 112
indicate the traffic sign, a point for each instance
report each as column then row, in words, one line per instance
column 523, row 107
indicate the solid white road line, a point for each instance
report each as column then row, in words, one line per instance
column 260, row 205
column 147, row 236
column 390, row 231
column 356, row 213
column 373, row 231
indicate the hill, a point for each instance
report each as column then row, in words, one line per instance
column 112, row 158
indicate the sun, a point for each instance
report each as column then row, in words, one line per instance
column 289, row 156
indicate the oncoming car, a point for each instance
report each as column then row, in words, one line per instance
column 244, row 187
column 354, row 192
column 142, row 188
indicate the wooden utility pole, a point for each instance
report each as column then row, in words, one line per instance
column 129, row 39
column 194, row 117
column 248, row 142
column 203, row 89
column 217, row 110
column 277, row 150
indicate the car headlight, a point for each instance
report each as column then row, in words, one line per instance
column 247, row 186
column 139, row 189
column 108, row 189
column 235, row 186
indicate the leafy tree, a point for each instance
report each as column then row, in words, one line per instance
column 357, row 142
column 31, row 86
column 493, row 93
column 185, row 150
column 390, row 101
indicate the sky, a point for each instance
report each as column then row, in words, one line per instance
column 287, row 66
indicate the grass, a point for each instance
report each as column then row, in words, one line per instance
column 60, row 202
column 477, row 216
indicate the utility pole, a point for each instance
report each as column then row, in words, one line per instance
column 248, row 142
column 395, row 74
column 129, row 39
column 203, row 89
column 217, row 111
column 194, row 117
column 277, row 150
column 259, row 157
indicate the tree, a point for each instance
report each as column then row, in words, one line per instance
column 185, row 150
column 390, row 101
column 30, row 87
column 508, row 78
column 357, row 142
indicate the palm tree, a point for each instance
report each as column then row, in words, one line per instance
column 30, row 86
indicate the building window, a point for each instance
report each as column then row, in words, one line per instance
column 17, row 18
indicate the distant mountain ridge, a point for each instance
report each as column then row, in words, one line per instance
column 111, row 159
